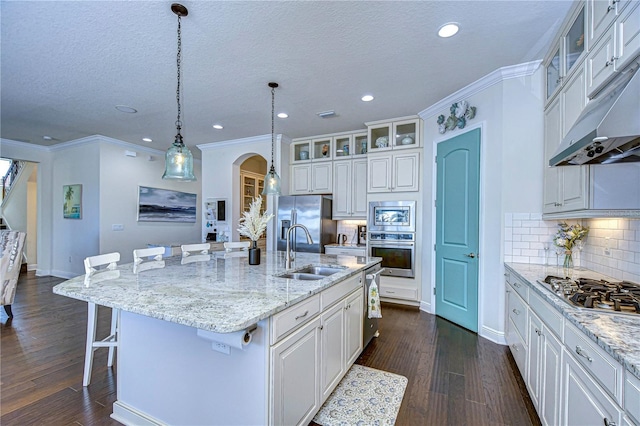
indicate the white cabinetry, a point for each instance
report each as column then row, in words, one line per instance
column 311, row 178
column 517, row 315
column 615, row 45
column 399, row 133
column 350, row 189
column 313, row 345
column 544, row 361
column 296, row 379
column 565, row 188
column 584, row 402
column 393, row 172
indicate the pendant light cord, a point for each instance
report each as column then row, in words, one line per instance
column 178, row 58
column 273, row 135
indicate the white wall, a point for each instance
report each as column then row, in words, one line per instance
column 42, row 156
column 119, row 178
column 75, row 239
column 509, row 113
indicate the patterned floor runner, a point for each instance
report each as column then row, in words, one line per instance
column 365, row 396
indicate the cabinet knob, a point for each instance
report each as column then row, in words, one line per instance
column 515, row 311
column 610, row 61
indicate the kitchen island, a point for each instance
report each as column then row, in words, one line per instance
column 219, row 341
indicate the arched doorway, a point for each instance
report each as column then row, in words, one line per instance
column 252, row 172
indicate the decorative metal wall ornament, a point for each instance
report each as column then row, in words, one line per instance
column 460, row 113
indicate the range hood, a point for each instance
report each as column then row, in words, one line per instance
column 608, row 129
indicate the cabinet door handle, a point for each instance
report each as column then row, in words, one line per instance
column 302, row 316
column 609, row 9
column 610, row 61
column 583, row 353
column 538, row 332
column 321, row 327
column 608, row 422
column 515, row 311
column 515, row 348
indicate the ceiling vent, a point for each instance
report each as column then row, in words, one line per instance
column 327, row 114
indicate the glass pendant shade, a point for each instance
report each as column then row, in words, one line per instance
column 271, row 183
column 178, row 163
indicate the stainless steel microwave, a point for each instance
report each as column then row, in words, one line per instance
column 392, row 216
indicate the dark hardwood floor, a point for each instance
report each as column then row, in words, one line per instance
column 455, row 377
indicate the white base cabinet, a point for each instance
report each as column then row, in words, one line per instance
column 296, row 378
column 584, row 402
column 571, row 380
column 314, row 356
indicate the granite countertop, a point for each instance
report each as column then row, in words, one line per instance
column 617, row 334
column 220, row 293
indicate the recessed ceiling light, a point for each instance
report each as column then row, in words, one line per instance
column 47, row 138
column 147, row 140
column 367, row 98
column 218, row 126
column 283, row 115
column 127, row 109
column 449, row 29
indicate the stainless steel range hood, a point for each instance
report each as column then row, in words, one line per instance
column 608, row 129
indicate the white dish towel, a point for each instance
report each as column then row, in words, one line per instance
column 374, row 298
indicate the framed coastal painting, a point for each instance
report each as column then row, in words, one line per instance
column 72, row 207
column 165, row 205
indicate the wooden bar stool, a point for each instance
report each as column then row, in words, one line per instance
column 111, row 341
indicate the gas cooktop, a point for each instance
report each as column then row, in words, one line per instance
column 622, row 297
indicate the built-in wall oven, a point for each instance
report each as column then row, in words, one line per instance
column 397, row 250
column 392, row 236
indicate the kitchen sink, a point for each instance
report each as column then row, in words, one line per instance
column 320, row 270
column 301, row 276
column 311, row 273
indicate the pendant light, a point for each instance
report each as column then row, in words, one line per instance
column 271, row 179
column 178, row 163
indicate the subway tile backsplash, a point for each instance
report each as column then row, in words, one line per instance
column 611, row 248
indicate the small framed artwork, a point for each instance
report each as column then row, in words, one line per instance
column 164, row 205
column 72, row 207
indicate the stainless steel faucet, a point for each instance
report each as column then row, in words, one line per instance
column 289, row 254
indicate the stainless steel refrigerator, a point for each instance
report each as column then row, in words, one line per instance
column 312, row 211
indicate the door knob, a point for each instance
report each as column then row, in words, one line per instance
column 471, row 255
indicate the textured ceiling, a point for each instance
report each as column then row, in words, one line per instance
column 66, row 65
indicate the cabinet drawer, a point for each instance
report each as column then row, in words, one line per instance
column 345, row 251
column 286, row 321
column 331, row 295
column 517, row 346
column 520, row 287
column 399, row 292
column 551, row 317
column 518, row 313
column 632, row 396
column 598, row 363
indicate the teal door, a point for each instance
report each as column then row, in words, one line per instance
column 457, row 211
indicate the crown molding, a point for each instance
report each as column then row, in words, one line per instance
column 26, row 145
column 234, row 142
column 495, row 77
column 100, row 138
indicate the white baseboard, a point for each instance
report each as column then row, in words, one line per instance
column 130, row 416
column 62, row 274
column 32, row 266
column 493, row 335
column 426, row 307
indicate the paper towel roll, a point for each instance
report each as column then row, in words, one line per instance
column 238, row 339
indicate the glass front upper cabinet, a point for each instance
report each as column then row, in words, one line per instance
column 553, row 73
column 574, row 41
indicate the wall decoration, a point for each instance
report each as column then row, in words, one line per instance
column 72, row 207
column 460, row 113
column 164, row 205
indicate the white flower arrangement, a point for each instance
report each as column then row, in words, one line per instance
column 252, row 223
